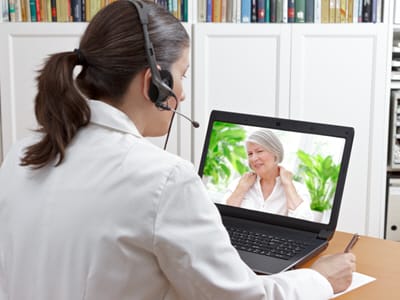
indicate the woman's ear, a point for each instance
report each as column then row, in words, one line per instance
column 146, row 84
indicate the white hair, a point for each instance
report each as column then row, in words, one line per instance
column 267, row 139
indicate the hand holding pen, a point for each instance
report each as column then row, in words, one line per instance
column 338, row 268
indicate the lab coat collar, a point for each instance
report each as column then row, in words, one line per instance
column 108, row 116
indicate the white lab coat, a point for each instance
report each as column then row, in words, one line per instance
column 122, row 219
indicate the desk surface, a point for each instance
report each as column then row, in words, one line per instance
column 375, row 257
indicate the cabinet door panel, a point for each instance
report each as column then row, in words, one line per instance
column 338, row 77
column 242, row 68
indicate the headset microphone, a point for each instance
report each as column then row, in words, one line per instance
column 195, row 124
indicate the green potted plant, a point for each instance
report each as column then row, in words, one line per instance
column 226, row 153
column 320, row 175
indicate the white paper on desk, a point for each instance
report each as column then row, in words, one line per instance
column 358, row 280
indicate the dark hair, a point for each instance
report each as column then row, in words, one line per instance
column 112, row 53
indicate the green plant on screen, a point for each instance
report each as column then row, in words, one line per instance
column 320, row 174
column 226, row 153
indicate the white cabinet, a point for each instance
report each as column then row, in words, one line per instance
column 338, row 76
column 331, row 73
column 23, row 49
column 241, row 68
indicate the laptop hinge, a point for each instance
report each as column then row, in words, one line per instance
column 325, row 234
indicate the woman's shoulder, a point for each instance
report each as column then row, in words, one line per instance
column 12, row 158
column 17, row 149
column 151, row 156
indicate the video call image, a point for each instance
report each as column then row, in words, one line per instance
column 274, row 171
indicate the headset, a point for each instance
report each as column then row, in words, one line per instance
column 161, row 80
column 162, row 83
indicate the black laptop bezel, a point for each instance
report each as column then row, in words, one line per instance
column 324, row 231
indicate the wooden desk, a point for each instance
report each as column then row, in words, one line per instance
column 375, row 257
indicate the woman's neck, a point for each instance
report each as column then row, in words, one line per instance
column 267, row 184
column 270, row 176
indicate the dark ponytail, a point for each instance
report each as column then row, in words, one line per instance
column 59, row 108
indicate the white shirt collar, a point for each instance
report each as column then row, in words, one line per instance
column 108, row 116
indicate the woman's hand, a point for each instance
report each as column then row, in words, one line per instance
column 337, row 268
column 247, row 181
column 286, row 176
column 293, row 198
column 244, row 185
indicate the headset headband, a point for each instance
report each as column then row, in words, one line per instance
column 163, row 89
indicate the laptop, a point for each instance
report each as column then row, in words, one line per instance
column 272, row 240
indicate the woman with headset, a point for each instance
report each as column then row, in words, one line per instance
column 89, row 209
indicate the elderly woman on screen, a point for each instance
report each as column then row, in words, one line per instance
column 269, row 187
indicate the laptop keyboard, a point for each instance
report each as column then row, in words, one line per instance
column 265, row 244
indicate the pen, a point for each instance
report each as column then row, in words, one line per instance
column 352, row 242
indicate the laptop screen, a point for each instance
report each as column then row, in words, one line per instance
column 275, row 166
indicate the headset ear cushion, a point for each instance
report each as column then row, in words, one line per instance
column 155, row 94
column 166, row 77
